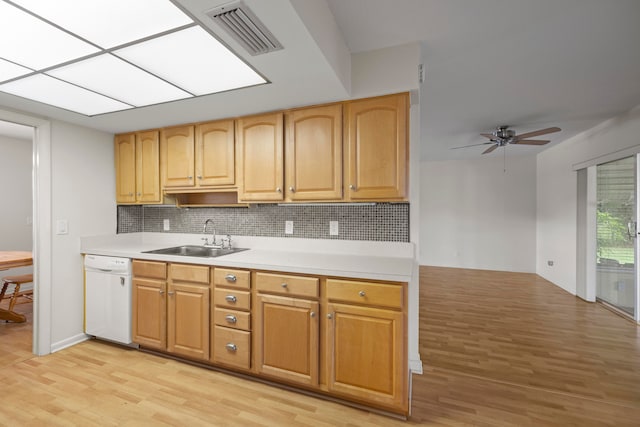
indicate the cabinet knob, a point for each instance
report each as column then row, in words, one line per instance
column 329, row 316
column 161, row 292
column 139, row 194
column 230, row 278
column 231, row 298
column 130, row 194
column 170, row 293
column 362, row 293
column 352, row 187
column 293, row 190
column 231, row 347
column 278, row 189
column 312, row 314
column 284, row 285
column 230, row 318
column 189, row 178
column 199, row 176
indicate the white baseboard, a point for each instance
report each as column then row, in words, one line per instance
column 415, row 366
column 60, row 345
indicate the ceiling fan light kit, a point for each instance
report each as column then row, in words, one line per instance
column 503, row 136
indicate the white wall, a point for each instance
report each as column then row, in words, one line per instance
column 83, row 193
column 475, row 215
column 557, row 192
column 16, row 233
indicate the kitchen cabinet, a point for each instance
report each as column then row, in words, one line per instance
column 313, row 154
column 376, row 148
column 287, row 328
column 188, row 307
column 259, row 148
column 177, row 145
column 231, row 331
column 137, row 162
column 149, row 324
column 365, row 342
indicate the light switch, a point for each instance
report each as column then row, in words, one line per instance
column 62, row 226
column 288, row 227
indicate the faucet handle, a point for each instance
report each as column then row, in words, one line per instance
column 206, row 240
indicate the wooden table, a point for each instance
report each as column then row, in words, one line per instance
column 13, row 259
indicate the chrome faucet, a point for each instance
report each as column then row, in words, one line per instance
column 205, row 238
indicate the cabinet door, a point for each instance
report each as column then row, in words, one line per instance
column 260, row 143
column 376, row 141
column 125, row 155
column 367, row 354
column 149, row 313
column 287, row 339
column 215, row 153
column 188, row 320
column 148, row 167
column 177, row 156
column 313, row 153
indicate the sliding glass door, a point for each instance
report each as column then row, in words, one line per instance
column 617, row 234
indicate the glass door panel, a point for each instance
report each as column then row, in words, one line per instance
column 616, row 234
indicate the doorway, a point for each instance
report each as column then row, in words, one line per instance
column 617, row 235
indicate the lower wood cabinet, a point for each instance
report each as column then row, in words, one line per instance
column 188, row 320
column 149, row 309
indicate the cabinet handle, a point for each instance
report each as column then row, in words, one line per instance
column 352, row 187
column 170, row 293
column 231, row 347
column 284, row 285
column 230, row 318
column 329, row 316
column 231, row 298
column 293, row 190
column 361, row 293
column 312, row 314
column 230, row 278
column 278, row 189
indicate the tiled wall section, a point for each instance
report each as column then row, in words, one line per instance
column 380, row 222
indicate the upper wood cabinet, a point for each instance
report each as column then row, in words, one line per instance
column 215, row 153
column 137, row 167
column 376, row 144
column 177, row 156
column 313, row 154
column 259, row 143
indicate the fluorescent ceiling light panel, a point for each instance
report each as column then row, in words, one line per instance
column 51, row 91
column 9, row 70
column 193, row 60
column 30, row 42
column 110, row 23
column 118, row 79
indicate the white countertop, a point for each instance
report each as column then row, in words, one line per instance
column 393, row 261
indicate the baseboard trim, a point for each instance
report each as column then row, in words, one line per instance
column 76, row 339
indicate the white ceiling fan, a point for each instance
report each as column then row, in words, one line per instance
column 503, row 136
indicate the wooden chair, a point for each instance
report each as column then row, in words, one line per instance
column 16, row 281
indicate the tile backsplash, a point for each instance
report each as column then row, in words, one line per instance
column 378, row 222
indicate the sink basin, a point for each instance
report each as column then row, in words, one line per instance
column 197, row 251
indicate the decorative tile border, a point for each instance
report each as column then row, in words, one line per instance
column 380, row 222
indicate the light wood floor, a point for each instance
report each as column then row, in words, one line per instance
column 499, row 349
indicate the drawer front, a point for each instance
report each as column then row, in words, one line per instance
column 232, row 298
column 232, row 278
column 287, row 285
column 150, row 269
column 232, row 347
column 232, row 318
column 189, row 273
column 381, row 294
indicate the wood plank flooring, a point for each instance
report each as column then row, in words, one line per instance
column 499, row 349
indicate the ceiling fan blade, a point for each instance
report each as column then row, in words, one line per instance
column 487, row 135
column 532, row 142
column 490, row 149
column 472, row 145
column 537, row 132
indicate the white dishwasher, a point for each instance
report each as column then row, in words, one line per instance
column 108, row 298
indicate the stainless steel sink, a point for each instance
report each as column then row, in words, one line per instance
column 197, row 251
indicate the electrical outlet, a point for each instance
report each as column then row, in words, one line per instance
column 166, row 225
column 333, row 228
column 288, row 227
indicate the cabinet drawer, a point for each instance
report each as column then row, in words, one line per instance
column 230, row 277
column 189, row 273
column 150, row 269
column 232, row 347
column 380, row 294
column 232, row 298
column 232, row 318
column 287, row 285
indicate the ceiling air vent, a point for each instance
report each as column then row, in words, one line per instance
column 245, row 27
